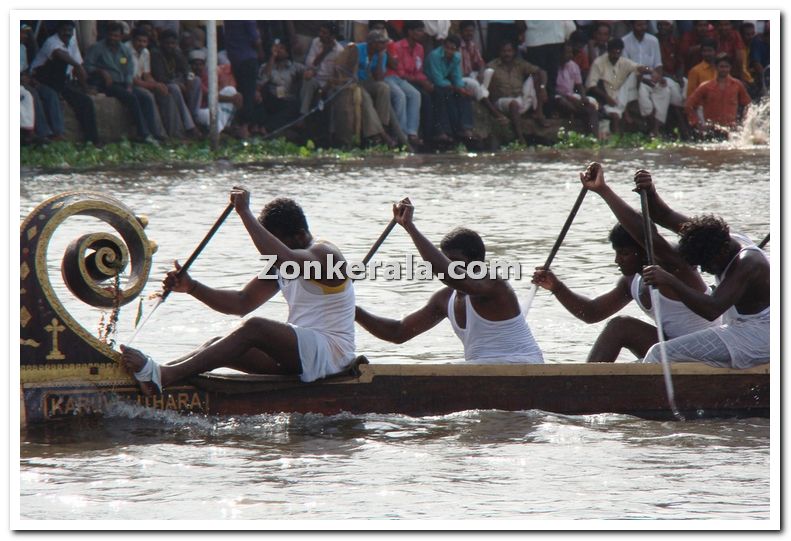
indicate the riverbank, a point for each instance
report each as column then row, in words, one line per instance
column 68, row 155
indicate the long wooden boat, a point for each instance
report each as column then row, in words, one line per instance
column 65, row 371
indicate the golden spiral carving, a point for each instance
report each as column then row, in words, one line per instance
column 88, row 265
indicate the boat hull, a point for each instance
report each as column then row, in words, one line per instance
column 417, row 390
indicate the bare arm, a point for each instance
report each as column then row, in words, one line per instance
column 238, row 303
column 440, row 264
column 399, row 331
column 582, row 307
column 661, row 213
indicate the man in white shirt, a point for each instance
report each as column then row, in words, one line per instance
column 655, row 93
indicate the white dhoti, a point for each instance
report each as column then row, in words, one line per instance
column 27, row 109
column 576, row 97
column 527, row 101
column 659, row 98
column 626, row 94
column 480, row 88
column 319, row 355
column 741, row 343
column 225, row 110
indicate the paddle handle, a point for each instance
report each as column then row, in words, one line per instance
column 379, row 242
column 764, row 242
column 647, row 232
column 566, row 227
column 201, row 246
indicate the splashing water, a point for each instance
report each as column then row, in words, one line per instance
column 754, row 129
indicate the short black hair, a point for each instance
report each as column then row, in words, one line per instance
column 615, row 43
column 283, row 216
column 454, row 39
column 504, row 43
column 137, row 32
column 466, row 241
column 620, row 238
column 330, row 26
column 413, row 25
column 708, row 42
column 723, row 57
column 168, row 34
column 371, row 24
column 466, row 24
column 703, row 239
column 579, row 37
column 61, row 24
column 114, row 26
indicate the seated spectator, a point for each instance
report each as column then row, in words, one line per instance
column 58, row 69
column 757, row 55
column 404, row 98
column 111, row 67
column 450, row 99
column 719, row 99
column 229, row 99
column 689, row 46
column 475, row 74
column 279, row 81
column 319, row 64
column 517, row 87
column 706, row 70
column 170, row 67
column 570, row 93
column 410, row 69
column 579, row 43
column 33, row 119
column 656, row 93
column 612, row 80
column 597, row 46
column 372, row 65
column 143, row 80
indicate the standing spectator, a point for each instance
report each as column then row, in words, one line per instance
column 570, row 93
column 436, row 32
column 56, row 63
column 706, row 70
column 597, row 46
column 111, row 66
column 730, row 42
column 689, row 45
column 473, row 69
column 170, row 67
column 319, row 64
column 410, row 69
column 544, row 42
column 612, row 80
column 243, row 45
column 517, row 87
column 404, row 98
column 655, row 93
column 33, row 119
column 720, row 100
column 451, row 100
column 668, row 46
column 376, row 94
column 498, row 32
column 279, row 81
column 757, row 55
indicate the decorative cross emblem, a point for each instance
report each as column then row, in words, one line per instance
column 55, row 327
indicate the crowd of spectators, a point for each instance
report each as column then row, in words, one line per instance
column 423, row 84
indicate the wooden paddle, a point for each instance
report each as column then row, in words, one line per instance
column 533, row 288
column 764, row 242
column 186, row 266
column 649, row 250
column 379, row 242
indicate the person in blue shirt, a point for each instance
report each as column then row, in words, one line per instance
column 371, row 68
column 451, row 99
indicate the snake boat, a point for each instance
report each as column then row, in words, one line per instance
column 67, row 372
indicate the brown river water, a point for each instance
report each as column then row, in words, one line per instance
column 472, row 465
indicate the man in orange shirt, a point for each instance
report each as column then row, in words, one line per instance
column 706, row 70
column 720, row 99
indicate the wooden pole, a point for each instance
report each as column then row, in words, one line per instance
column 211, row 66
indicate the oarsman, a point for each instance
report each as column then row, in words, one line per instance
column 741, row 296
column 628, row 243
column 316, row 341
column 484, row 312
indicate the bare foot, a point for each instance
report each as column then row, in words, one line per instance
column 133, row 360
